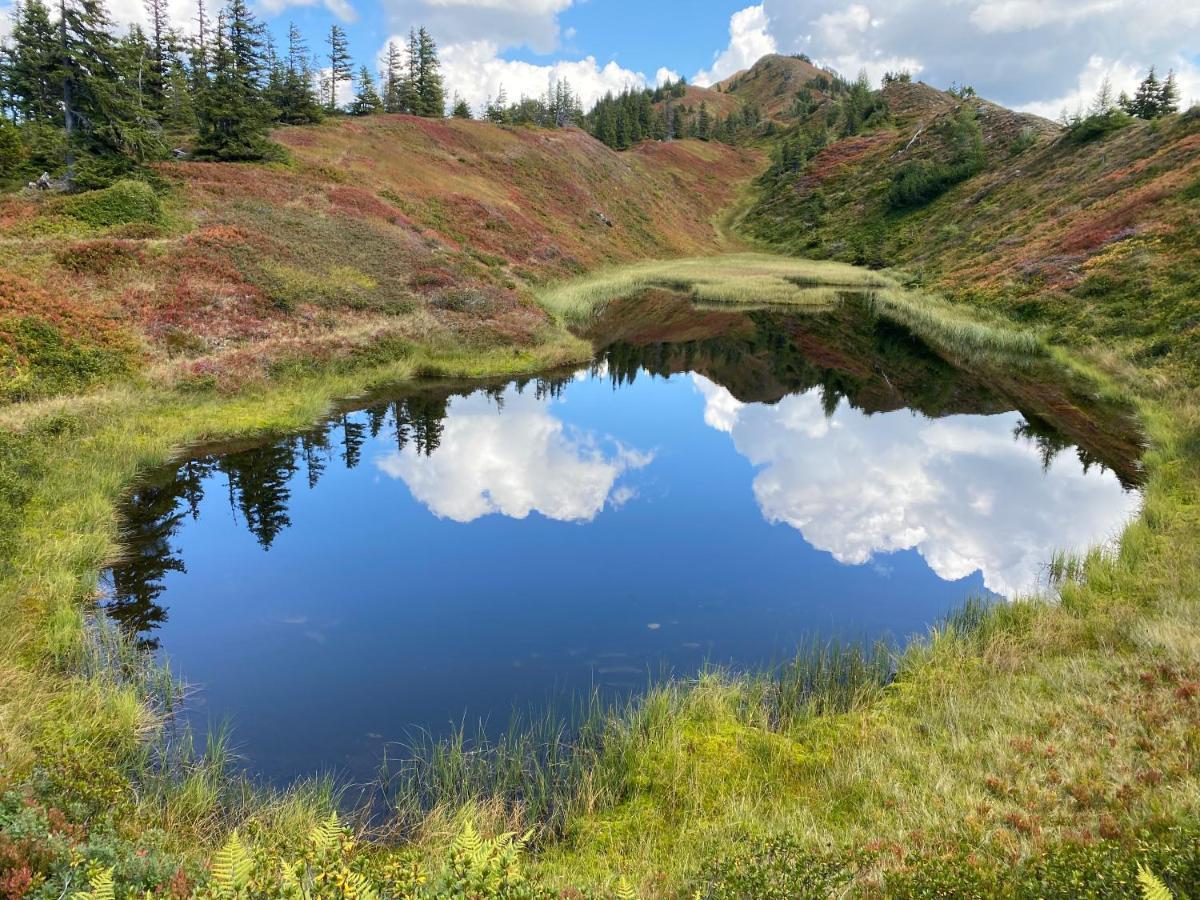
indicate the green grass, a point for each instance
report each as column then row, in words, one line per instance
column 729, row 278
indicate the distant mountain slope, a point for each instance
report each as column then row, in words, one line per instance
column 386, row 226
column 1045, row 226
column 772, row 83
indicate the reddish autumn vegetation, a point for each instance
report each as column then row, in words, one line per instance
column 388, row 227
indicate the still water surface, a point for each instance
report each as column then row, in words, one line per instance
column 720, row 488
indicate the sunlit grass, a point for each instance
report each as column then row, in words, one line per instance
column 731, row 278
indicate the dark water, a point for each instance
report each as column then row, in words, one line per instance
column 718, row 487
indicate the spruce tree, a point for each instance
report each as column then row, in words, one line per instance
column 461, row 109
column 296, row 100
column 431, row 94
column 366, row 101
column 232, row 116
column 339, row 64
column 161, row 49
column 31, row 75
column 704, row 123
column 1147, row 101
column 393, row 79
column 104, row 132
column 12, row 152
column 497, row 110
column 1169, row 96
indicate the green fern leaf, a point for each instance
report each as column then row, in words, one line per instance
column 468, row 843
column 359, row 888
column 231, row 867
column 1153, row 887
column 101, row 887
column 625, row 890
column 326, row 837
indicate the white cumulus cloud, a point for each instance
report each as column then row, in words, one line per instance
column 749, row 41
column 514, row 462
column 476, row 71
column 1024, row 53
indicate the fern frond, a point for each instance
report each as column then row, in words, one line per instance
column 326, row 837
column 359, row 888
column 469, row 843
column 231, row 867
column 625, row 890
column 101, row 887
column 1153, row 887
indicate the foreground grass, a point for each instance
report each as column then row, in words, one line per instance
column 1030, row 732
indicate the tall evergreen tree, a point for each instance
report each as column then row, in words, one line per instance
column 366, row 102
column 704, row 122
column 339, row 64
column 104, row 132
column 430, row 91
column 31, row 76
column 1147, row 100
column 393, row 79
column 161, row 49
column 232, row 116
column 1169, row 95
column 296, row 101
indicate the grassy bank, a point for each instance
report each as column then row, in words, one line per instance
column 1006, row 741
column 728, row 278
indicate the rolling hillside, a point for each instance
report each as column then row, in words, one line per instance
column 389, row 227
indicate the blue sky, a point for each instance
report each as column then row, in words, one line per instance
column 1038, row 55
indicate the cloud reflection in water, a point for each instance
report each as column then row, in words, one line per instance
column 515, row 462
column 963, row 491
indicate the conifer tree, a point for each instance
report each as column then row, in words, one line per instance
column 232, row 115
column 1169, row 96
column 461, row 109
column 339, row 64
column 295, row 99
column 1147, row 100
column 103, row 131
column 497, row 110
column 160, row 40
column 409, row 100
column 393, row 79
column 12, row 152
column 198, row 61
column 430, row 92
column 31, row 76
column 366, row 101
column 704, row 123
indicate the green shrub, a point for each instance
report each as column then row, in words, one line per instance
column 44, row 361
column 125, row 203
column 920, row 182
column 1097, row 125
column 1026, row 139
column 778, row 869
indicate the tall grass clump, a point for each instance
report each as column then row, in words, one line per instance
column 956, row 332
column 546, row 771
